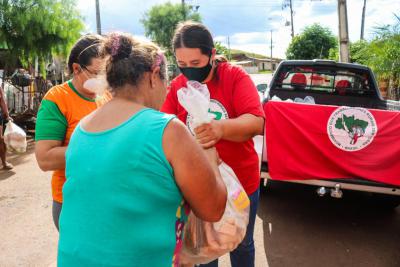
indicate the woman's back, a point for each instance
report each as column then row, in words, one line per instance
column 122, row 206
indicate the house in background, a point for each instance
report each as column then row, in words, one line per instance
column 253, row 64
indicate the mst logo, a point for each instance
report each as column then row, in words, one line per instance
column 351, row 129
column 216, row 111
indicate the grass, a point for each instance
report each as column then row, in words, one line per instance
column 264, row 72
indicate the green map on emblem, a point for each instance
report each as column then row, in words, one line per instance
column 354, row 127
column 350, row 123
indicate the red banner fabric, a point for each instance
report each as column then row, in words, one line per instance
column 329, row 142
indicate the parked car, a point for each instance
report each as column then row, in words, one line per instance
column 348, row 140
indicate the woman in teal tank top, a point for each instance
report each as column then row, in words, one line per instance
column 133, row 172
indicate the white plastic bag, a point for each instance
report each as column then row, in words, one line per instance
column 203, row 241
column 15, row 138
column 196, row 100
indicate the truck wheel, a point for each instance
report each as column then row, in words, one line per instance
column 386, row 201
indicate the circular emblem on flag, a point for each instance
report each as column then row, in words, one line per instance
column 351, row 129
column 216, row 111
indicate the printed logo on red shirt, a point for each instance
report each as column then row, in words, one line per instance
column 216, row 111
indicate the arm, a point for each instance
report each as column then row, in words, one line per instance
column 239, row 129
column 51, row 127
column 3, row 104
column 50, row 155
column 196, row 176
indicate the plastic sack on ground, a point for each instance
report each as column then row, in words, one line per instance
column 203, row 241
column 15, row 138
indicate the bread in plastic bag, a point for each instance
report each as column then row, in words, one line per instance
column 15, row 138
column 204, row 241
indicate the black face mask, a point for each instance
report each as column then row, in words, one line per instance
column 197, row 74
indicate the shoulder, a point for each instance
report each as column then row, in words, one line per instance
column 176, row 132
column 58, row 93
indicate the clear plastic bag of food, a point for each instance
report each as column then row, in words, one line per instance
column 195, row 99
column 204, row 241
column 15, row 138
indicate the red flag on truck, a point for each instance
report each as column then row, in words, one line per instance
column 330, row 142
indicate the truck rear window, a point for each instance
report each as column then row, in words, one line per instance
column 325, row 80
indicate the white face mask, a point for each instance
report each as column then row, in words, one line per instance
column 96, row 85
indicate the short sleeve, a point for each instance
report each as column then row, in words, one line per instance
column 245, row 95
column 51, row 124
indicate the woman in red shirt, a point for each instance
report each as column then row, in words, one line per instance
column 237, row 111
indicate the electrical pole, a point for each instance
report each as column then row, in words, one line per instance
column 343, row 32
column 291, row 18
column 363, row 21
column 98, row 22
column 271, row 52
column 183, row 10
column 229, row 49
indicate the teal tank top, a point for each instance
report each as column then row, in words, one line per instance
column 122, row 206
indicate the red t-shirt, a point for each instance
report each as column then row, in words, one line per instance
column 232, row 94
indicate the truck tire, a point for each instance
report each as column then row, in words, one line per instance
column 386, row 201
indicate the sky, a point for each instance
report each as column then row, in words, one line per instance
column 248, row 23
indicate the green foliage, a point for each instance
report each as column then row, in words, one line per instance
column 350, row 122
column 249, row 54
column 161, row 20
column 221, row 50
column 38, row 28
column 358, row 52
column 384, row 53
column 314, row 42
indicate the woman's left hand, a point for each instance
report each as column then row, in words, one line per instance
column 208, row 134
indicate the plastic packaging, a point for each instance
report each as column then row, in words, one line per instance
column 15, row 138
column 195, row 98
column 309, row 100
column 203, row 241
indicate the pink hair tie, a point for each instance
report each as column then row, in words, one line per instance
column 160, row 58
column 115, row 45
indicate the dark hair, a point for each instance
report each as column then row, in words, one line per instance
column 130, row 59
column 84, row 50
column 191, row 34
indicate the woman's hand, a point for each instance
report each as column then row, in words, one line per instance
column 208, row 134
column 212, row 156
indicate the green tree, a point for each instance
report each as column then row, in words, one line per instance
column 32, row 29
column 384, row 57
column 222, row 50
column 161, row 20
column 314, row 42
column 358, row 52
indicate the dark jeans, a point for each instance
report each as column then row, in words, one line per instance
column 244, row 254
column 56, row 212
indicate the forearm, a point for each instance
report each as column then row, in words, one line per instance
column 242, row 128
column 3, row 104
column 53, row 159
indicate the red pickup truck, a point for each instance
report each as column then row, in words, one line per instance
column 327, row 126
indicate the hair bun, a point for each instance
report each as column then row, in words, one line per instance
column 119, row 46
